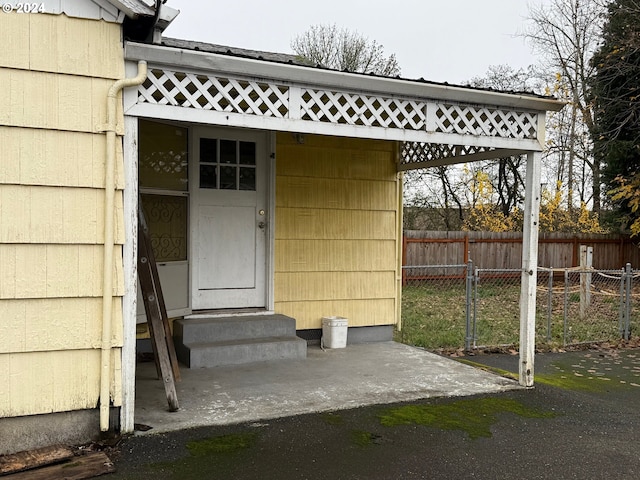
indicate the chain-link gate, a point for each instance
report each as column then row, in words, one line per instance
column 496, row 307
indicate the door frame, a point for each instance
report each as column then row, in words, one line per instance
column 269, row 179
column 130, row 253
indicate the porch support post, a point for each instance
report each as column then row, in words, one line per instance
column 529, row 269
column 130, row 260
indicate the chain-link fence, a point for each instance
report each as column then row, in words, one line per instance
column 457, row 306
column 435, row 305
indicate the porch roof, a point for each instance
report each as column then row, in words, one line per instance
column 438, row 123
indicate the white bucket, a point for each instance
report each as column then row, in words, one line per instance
column 334, row 332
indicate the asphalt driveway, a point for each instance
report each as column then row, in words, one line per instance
column 580, row 421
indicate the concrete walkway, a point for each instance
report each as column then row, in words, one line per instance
column 333, row 379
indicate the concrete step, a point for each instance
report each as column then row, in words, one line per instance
column 218, row 341
column 236, row 352
column 222, row 329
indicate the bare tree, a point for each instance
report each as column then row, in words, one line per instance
column 507, row 174
column 342, row 49
column 505, row 78
column 434, row 199
column 566, row 33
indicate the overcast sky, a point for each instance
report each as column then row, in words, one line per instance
column 439, row 40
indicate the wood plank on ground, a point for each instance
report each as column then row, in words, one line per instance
column 80, row 467
column 38, row 457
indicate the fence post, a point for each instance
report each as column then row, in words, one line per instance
column 586, row 262
column 476, row 281
column 621, row 310
column 549, row 304
column 566, row 306
column 469, row 286
column 627, row 303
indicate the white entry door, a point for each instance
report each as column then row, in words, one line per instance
column 229, row 219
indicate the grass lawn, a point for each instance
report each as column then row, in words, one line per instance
column 434, row 315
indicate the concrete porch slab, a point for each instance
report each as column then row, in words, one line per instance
column 333, row 379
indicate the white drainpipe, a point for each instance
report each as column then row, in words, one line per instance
column 109, row 196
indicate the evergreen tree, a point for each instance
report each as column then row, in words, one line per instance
column 615, row 93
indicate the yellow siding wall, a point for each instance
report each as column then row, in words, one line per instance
column 55, row 72
column 336, row 225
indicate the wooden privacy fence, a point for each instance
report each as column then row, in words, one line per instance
column 503, row 250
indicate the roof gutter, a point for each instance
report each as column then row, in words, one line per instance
column 312, row 76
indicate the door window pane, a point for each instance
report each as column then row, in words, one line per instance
column 228, row 178
column 228, row 151
column 162, row 156
column 227, row 164
column 208, row 150
column 208, row 177
column 247, row 153
column 247, row 178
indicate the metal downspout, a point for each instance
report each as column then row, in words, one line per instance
column 109, row 196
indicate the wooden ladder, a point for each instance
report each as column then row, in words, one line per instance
column 161, row 338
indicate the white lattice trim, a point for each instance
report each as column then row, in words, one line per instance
column 190, row 90
column 270, row 99
column 485, row 121
column 363, row 110
column 420, row 153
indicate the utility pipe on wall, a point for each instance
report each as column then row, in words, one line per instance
column 109, row 196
